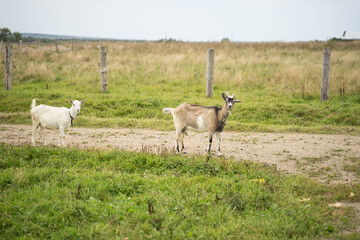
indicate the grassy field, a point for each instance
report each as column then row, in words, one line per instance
column 62, row 193
column 279, row 84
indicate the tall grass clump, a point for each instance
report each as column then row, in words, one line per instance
column 279, row 83
column 87, row 194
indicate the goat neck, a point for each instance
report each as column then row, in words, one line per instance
column 224, row 113
column 73, row 112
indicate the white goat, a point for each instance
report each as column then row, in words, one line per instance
column 201, row 119
column 53, row 118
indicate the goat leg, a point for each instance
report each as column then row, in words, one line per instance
column 182, row 144
column 210, row 142
column 42, row 135
column 218, row 153
column 177, row 138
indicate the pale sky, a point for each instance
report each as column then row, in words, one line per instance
column 187, row 20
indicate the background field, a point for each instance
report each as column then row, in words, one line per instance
column 279, row 84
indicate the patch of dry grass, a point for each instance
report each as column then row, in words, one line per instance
column 279, row 82
column 283, row 67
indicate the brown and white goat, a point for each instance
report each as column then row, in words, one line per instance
column 201, row 119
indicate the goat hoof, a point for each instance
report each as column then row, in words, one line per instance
column 219, row 154
column 184, row 152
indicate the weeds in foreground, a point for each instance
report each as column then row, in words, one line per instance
column 72, row 193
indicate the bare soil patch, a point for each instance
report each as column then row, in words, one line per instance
column 326, row 158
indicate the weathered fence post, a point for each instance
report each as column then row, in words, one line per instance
column 103, row 70
column 72, row 45
column 210, row 73
column 8, row 67
column 325, row 75
column 56, row 46
column 20, row 45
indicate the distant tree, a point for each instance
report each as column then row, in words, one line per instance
column 6, row 35
column 168, row 40
column 17, row 36
column 225, row 39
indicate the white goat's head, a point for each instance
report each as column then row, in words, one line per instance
column 230, row 100
column 76, row 105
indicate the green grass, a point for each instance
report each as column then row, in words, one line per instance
column 90, row 194
column 354, row 166
column 280, row 91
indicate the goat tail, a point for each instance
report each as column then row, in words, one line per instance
column 33, row 104
column 168, row 110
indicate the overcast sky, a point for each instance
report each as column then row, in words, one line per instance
column 187, row 20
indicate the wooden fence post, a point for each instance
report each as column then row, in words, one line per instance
column 20, row 45
column 325, row 75
column 103, row 70
column 72, row 45
column 210, row 73
column 8, row 67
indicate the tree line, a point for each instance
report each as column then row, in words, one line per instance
column 7, row 36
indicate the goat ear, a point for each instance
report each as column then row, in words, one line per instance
column 224, row 96
column 70, row 100
column 83, row 101
column 237, row 101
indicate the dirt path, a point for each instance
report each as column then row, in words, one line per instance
column 327, row 158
